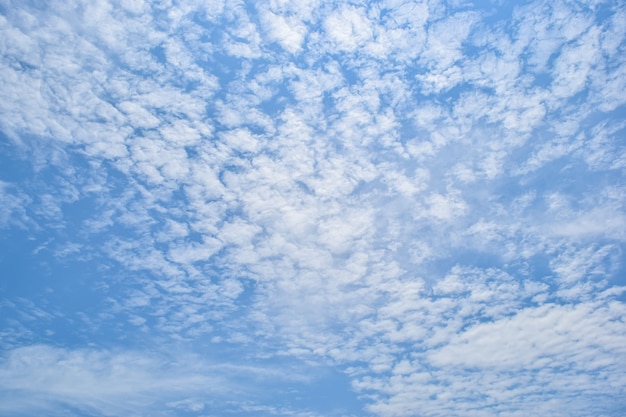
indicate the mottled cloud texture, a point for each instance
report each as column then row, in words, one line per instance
column 310, row 208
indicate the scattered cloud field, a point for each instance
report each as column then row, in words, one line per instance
column 312, row 208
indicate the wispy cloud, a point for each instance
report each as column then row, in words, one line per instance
column 41, row 378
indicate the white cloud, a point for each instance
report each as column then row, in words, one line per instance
column 12, row 212
column 445, row 39
column 241, row 140
column 538, row 338
column 46, row 379
column 349, row 28
column 287, row 31
column 573, row 64
column 41, row 378
column 423, row 195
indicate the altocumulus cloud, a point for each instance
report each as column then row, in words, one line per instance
column 307, row 208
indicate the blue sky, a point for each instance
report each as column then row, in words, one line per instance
column 312, row 208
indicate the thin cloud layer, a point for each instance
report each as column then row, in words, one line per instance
column 385, row 208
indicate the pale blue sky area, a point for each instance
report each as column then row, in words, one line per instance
column 312, row 208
